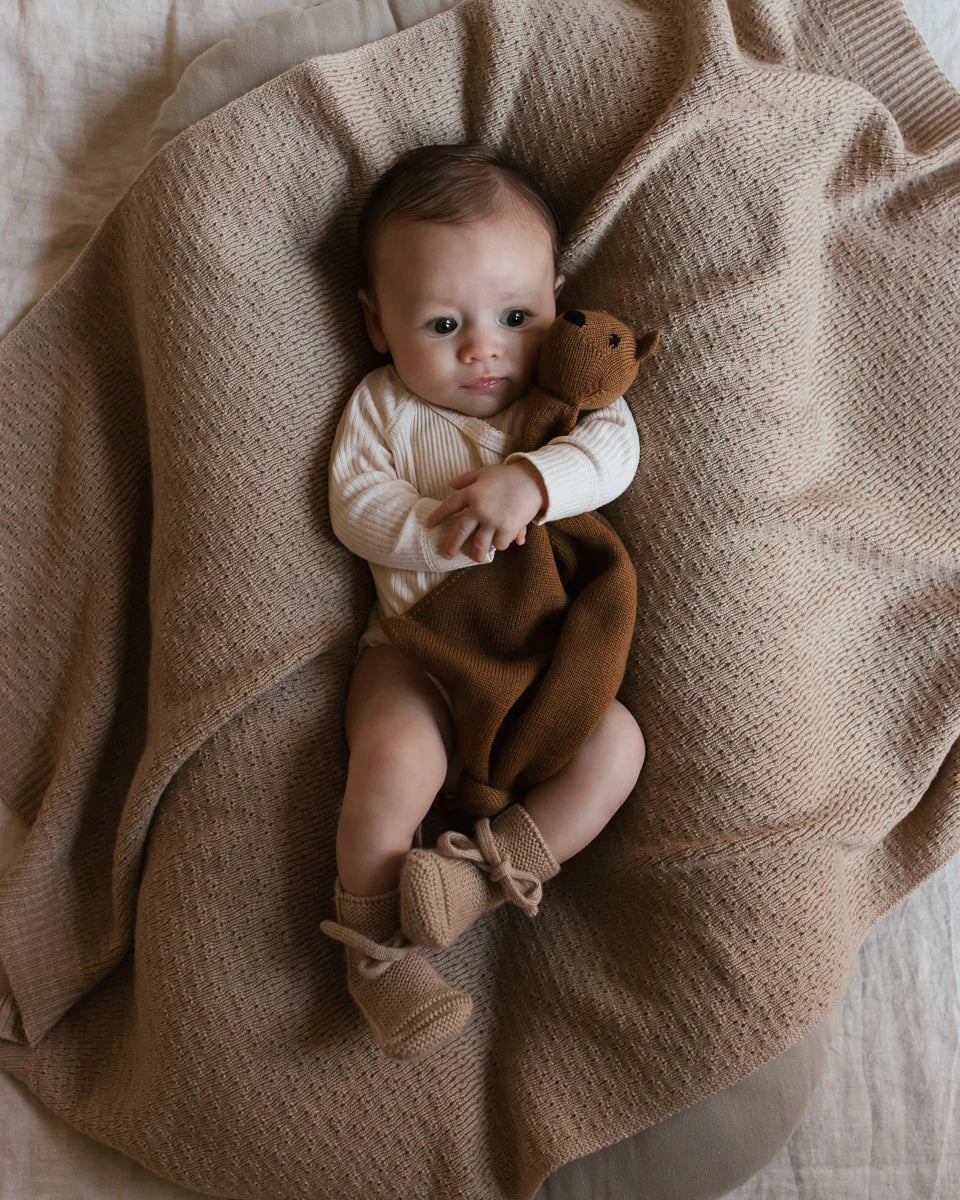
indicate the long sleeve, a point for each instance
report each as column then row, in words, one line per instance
column 374, row 512
column 591, row 465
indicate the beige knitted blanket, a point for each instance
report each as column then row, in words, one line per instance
column 776, row 186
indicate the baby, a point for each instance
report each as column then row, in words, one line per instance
column 459, row 258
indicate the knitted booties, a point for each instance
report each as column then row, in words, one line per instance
column 443, row 891
column 408, row 1005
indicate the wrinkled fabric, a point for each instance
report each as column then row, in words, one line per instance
column 772, row 188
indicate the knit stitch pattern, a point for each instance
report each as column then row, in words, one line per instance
column 776, row 187
column 410, row 1010
column 444, row 890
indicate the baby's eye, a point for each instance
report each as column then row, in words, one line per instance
column 448, row 321
column 448, row 324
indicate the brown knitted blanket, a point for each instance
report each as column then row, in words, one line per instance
column 773, row 185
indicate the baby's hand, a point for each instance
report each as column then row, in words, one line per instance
column 494, row 506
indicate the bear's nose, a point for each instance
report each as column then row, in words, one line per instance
column 575, row 316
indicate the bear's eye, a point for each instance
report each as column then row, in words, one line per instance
column 614, row 339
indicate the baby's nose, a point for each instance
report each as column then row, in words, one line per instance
column 480, row 345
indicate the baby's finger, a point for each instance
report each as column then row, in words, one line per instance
column 482, row 541
column 452, row 504
column 436, row 515
column 461, row 530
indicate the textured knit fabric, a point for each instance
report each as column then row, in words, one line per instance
column 393, row 453
column 410, row 1010
column 444, row 890
column 775, row 186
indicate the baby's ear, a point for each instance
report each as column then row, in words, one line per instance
column 647, row 344
column 371, row 319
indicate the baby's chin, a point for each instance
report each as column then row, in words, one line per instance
column 476, row 402
column 486, row 403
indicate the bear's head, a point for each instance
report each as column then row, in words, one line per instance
column 589, row 358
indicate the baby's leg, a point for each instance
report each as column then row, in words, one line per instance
column 573, row 806
column 400, row 734
column 443, row 893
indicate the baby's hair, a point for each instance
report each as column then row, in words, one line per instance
column 454, row 184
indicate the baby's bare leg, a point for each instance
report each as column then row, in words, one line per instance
column 400, row 733
column 573, row 806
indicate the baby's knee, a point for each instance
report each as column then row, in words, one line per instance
column 624, row 745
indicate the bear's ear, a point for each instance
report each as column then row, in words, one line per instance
column 647, row 344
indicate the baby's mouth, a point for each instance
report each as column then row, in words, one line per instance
column 486, row 383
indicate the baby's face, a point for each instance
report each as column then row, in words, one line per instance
column 454, row 303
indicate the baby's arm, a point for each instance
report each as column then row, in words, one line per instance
column 589, row 466
column 571, row 474
column 374, row 512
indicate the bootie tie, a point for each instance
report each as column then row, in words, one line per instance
column 408, row 1005
column 443, row 891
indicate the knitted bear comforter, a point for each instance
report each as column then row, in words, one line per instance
column 776, row 187
column 532, row 649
